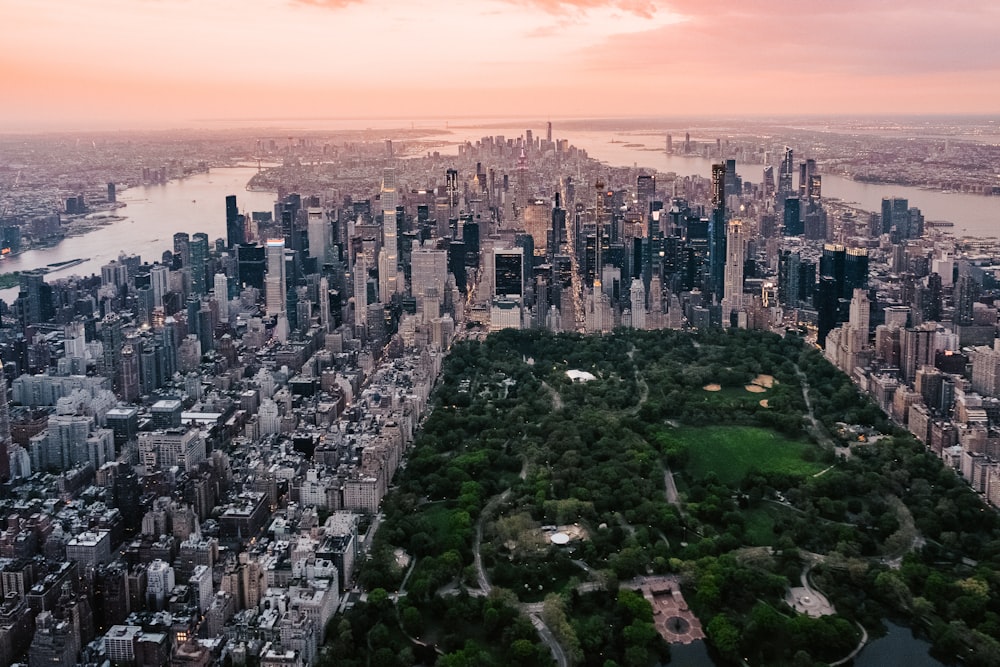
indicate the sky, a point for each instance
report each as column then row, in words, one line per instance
column 187, row 63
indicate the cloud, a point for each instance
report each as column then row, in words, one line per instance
column 808, row 40
column 642, row 8
column 327, row 4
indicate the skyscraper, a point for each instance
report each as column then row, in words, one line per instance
column 388, row 270
column 182, row 248
column 324, row 305
column 793, row 217
column 199, row 260
column 360, row 293
column 5, row 439
column 235, row 233
column 732, row 295
column 509, row 273
column 274, row 282
column 717, row 232
column 319, row 233
column 221, row 288
column 896, row 214
column 785, row 175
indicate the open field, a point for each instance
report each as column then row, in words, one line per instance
column 733, row 451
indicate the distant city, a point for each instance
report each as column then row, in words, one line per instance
column 197, row 443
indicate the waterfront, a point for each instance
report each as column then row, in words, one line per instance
column 197, row 203
column 152, row 215
column 973, row 215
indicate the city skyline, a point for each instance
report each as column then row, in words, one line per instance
column 116, row 64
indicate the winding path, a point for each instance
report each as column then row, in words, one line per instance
column 815, row 428
column 532, row 611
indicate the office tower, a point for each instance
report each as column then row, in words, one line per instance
column 717, row 232
column 793, row 217
column 129, row 373
column 159, row 281
column 144, row 304
column 111, row 337
column 645, row 190
column 733, row 185
column 114, row 273
column 182, row 248
column 833, row 263
column 388, row 268
column 732, row 294
column 670, row 144
column 275, row 283
column 508, row 266
column 251, row 265
column 429, row 270
column 896, row 214
column 5, row 438
column 168, row 338
column 199, row 261
column 788, row 278
column 221, row 288
column 318, row 230
column 559, row 233
column 537, row 221
column 360, row 293
column 966, row 293
column 548, row 132
column 235, row 224
column 324, row 305
column 637, row 301
column 785, row 171
column 34, row 298
column 933, row 298
column 827, row 307
column 855, row 271
column 815, row 190
column 768, row 182
column 917, row 349
column 806, row 171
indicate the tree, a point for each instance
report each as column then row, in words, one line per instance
column 724, row 636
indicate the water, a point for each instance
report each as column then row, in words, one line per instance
column 154, row 213
column 197, row 203
column 897, row 647
column 974, row 215
column 694, row 654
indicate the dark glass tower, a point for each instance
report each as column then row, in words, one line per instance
column 717, row 231
column 235, row 233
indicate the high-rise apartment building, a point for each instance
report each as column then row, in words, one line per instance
column 388, row 267
column 717, row 232
column 274, row 281
column 732, row 294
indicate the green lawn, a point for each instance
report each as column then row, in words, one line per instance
column 733, row 451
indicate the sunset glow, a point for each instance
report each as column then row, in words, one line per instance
column 130, row 63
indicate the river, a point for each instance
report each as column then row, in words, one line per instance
column 973, row 215
column 197, row 203
column 154, row 213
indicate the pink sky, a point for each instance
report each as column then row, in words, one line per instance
column 175, row 63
